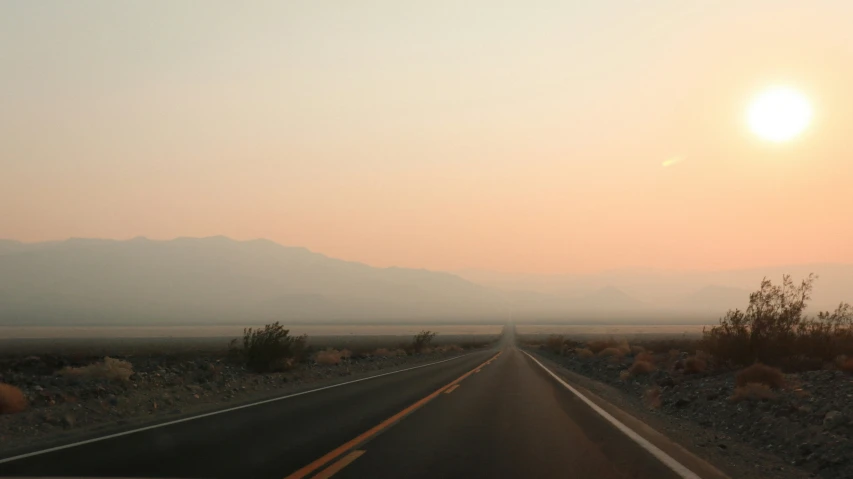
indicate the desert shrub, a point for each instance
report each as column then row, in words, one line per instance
column 641, row 367
column 753, row 392
column 554, row 343
column 584, row 353
column 598, row 346
column 774, row 328
column 760, row 374
column 109, row 368
column 644, row 356
column 452, row 348
column 389, row 353
column 611, row 352
column 695, row 365
column 329, row 357
column 422, row 341
column 652, row 398
column 271, row 348
column 12, row 400
column 635, row 350
column 844, row 363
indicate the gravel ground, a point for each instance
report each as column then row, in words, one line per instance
column 63, row 408
column 805, row 431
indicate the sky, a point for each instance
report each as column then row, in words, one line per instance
column 536, row 136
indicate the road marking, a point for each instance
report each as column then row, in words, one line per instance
column 477, row 371
column 451, row 389
column 353, row 443
column 221, row 411
column 336, row 467
column 663, row 457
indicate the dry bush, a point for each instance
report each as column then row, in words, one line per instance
column 109, row 368
column 346, row 354
column 844, row 363
column 328, row 357
column 695, row 365
column 610, row 352
column 584, row 353
column 452, row 348
column 12, row 400
column 753, row 392
column 636, row 350
column 270, row 349
column 598, row 346
column 774, row 329
column 644, row 356
column 652, row 398
column 554, row 343
column 641, row 367
column 760, row 374
column 422, row 340
column 389, row 353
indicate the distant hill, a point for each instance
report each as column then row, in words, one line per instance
column 217, row 279
column 711, row 293
column 717, row 297
column 608, row 297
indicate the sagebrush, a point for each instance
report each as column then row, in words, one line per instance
column 271, row 348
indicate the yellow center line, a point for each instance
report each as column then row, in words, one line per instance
column 451, row 389
column 336, row 467
column 332, row 455
column 477, row 371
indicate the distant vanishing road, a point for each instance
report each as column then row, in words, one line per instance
column 489, row 414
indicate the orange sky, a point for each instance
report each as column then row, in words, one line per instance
column 445, row 135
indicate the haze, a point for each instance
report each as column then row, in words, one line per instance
column 442, row 135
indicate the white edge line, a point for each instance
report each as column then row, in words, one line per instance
column 221, row 411
column 663, row 457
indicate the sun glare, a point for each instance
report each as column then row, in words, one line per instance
column 779, row 114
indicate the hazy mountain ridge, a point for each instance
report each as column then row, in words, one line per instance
column 217, row 279
column 710, row 293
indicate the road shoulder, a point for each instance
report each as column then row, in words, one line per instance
column 700, row 449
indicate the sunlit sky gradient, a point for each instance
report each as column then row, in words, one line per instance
column 445, row 135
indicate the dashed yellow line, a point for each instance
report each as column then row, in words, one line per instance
column 477, row 371
column 451, row 389
column 336, row 467
column 348, row 446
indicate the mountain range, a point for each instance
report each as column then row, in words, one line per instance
column 220, row 280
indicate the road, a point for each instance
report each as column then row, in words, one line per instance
column 490, row 414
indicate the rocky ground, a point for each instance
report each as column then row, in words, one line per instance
column 63, row 407
column 806, row 425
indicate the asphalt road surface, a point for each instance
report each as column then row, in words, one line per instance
column 490, row 414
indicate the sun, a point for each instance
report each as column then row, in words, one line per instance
column 779, row 114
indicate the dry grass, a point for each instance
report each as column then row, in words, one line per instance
column 599, row 346
column 584, row 353
column 389, row 353
column 329, row 357
column 611, row 352
column 451, row 348
column 652, row 398
column 753, row 392
column 760, row 374
column 844, row 363
column 641, row 367
column 695, row 365
column 12, row 400
column 644, row 356
column 109, row 368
